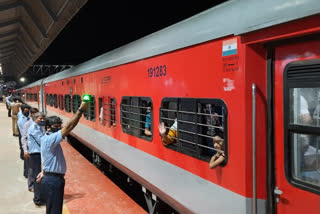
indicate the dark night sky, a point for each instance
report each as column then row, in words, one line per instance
column 101, row 26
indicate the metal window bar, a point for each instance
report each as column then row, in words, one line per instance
column 90, row 112
column 129, row 112
column 55, row 101
column 134, row 106
column 211, row 148
column 67, row 103
column 76, row 102
column 109, row 120
column 140, row 121
column 131, row 126
column 200, row 124
column 188, row 112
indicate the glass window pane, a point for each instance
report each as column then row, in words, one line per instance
column 306, row 158
column 305, row 106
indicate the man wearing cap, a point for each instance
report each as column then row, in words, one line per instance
column 24, row 143
column 53, row 161
column 22, row 119
column 14, row 107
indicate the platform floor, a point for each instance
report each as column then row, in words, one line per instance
column 87, row 190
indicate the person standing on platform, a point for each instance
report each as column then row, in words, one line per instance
column 53, row 161
column 14, row 108
column 35, row 133
column 24, row 143
column 21, row 121
column 8, row 103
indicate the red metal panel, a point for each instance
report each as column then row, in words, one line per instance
column 293, row 200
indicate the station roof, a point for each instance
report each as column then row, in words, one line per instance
column 27, row 28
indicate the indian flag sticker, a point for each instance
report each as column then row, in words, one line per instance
column 229, row 47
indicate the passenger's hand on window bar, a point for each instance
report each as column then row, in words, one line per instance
column 162, row 129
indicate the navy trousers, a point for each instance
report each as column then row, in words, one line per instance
column 30, row 176
column 35, row 160
column 21, row 149
column 53, row 189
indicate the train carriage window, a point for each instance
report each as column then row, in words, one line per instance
column 136, row 117
column 107, row 111
column 60, row 102
column 90, row 114
column 36, row 97
column 67, row 103
column 55, row 101
column 50, row 100
column 47, row 99
column 76, row 102
column 302, row 124
column 193, row 123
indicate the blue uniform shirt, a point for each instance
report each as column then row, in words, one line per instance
column 20, row 114
column 7, row 100
column 35, row 133
column 52, row 157
column 21, row 121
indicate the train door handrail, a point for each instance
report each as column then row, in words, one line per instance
column 254, row 177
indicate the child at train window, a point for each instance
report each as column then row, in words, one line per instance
column 148, row 122
column 219, row 157
column 169, row 138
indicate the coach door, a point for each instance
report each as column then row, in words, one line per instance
column 297, row 127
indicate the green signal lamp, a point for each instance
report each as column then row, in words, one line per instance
column 86, row 98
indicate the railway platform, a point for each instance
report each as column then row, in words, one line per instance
column 87, row 190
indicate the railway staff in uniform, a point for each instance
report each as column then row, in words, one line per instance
column 8, row 102
column 22, row 119
column 14, row 107
column 53, row 161
column 24, row 143
column 35, row 133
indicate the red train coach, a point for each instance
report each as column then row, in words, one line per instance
column 251, row 66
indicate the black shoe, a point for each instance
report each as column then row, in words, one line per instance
column 40, row 204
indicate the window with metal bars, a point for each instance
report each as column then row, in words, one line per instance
column 36, row 97
column 76, row 102
column 194, row 123
column 67, row 103
column 55, row 101
column 60, row 102
column 107, row 111
column 302, row 124
column 51, row 102
column 90, row 113
column 47, row 99
column 137, row 116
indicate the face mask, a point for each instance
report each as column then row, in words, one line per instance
column 55, row 129
column 26, row 114
column 42, row 123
